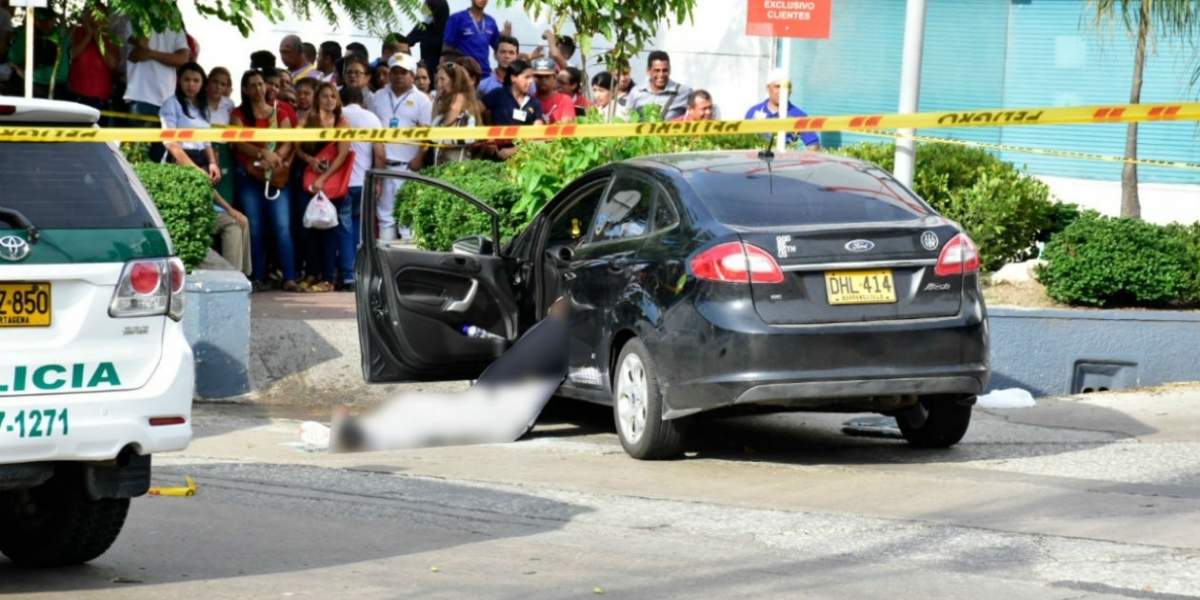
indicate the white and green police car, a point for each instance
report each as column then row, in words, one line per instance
column 95, row 373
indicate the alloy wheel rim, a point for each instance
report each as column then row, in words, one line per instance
column 632, row 392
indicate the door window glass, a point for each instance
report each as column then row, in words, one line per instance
column 625, row 212
column 664, row 215
column 570, row 227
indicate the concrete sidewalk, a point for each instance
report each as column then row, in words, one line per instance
column 304, row 351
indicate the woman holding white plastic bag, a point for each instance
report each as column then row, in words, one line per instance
column 326, row 114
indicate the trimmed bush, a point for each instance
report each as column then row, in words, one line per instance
column 437, row 218
column 1103, row 261
column 1000, row 207
column 184, row 198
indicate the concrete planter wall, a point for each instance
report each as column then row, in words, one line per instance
column 1058, row 351
column 217, row 325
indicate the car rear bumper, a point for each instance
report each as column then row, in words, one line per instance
column 718, row 354
column 101, row 424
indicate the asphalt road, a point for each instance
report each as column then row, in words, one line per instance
column 1092, row 498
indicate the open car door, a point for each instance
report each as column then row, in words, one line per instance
column 413, row 305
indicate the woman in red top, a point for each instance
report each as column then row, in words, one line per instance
column 260, row 164
column 326, row 114
column 91, row 71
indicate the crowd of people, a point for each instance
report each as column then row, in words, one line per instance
column 468, row 70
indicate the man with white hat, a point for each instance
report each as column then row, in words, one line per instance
column 769, row 109
column 399, row 106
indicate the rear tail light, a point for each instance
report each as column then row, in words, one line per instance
column 150, row 287
column 737, row 262
column 960, row 255
column 178, row 297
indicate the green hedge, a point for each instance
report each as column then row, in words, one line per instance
column 437, row 218
column 1104, row 261
column 184, row 198
column 1002, row 209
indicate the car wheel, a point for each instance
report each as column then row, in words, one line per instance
column 638, row 407
column 57, row 524
column 945, row 423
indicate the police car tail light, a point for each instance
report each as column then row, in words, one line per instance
column 735, row 262
column 144, row 289
column 960, row 255
column 178, row 298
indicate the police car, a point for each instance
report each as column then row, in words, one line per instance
column 95, row 373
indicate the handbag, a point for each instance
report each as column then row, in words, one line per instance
column 337, row 185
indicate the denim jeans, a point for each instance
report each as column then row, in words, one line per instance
column 349, row 214
column 258, row 211
column 305, row 241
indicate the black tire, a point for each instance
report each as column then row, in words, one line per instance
column 56, row 524
column 658, row 438
column 945, row 425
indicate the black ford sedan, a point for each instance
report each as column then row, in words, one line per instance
column 725, row 281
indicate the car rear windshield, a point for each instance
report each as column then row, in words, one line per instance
column 804, row 193
column 69, row 186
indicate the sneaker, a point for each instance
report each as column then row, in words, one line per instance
column 346, row 286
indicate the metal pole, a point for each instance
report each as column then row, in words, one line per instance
column 29, row 51
column 785, row 89
column 910, row 87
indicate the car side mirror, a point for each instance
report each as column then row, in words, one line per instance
column 473, row 244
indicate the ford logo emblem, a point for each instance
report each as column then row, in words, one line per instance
column 860, row 245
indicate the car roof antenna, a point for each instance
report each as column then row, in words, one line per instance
column 767, row 155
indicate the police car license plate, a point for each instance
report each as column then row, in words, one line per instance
column 47, row 422
column 25, row 304
column 860, row 287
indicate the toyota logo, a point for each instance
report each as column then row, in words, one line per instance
column 13, row 248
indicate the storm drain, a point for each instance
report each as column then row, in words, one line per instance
column 1102, row 376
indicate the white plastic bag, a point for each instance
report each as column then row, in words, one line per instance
column 320, row 214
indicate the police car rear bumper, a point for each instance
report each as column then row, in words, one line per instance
column 101, row 424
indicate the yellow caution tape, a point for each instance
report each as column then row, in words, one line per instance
column 190, row 490
column 1043, row 151
column 1130, row 113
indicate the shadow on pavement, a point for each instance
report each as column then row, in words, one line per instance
column 252, row 520
column 1051, row 427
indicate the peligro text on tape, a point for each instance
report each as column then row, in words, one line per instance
column 977, row 118
column 1149, row 162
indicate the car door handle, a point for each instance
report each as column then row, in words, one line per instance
column 460, row 306
column 460, row 263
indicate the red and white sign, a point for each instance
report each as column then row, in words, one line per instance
column 788, row 18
